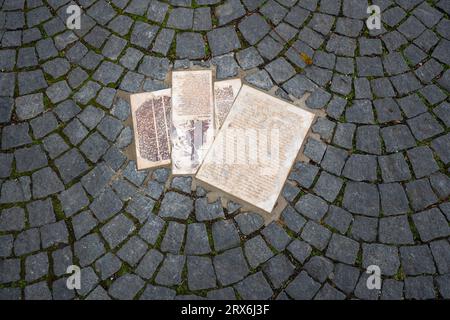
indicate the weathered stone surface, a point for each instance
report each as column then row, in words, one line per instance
column 106, row 205
column 361, row 168
column 392, row 290
column 441, row 255
column 419, row 288
column 254, row 287
column 205, row 211
column 300, row 250
column 173, row 239
column 88, row 249
column 27, row 242
column 117, row 230
column 190, row 45
column 46, row 182
column 395, row 230
column 53, row 234
column 278, row 269
column 71, row 165
column 276, row 236
column 126, row 287
column 362, row 198
column 170, row 272
column 292, row 219
column 149, row 264
column 200, row 273
column 303, row 287
column 254, row 28
column 316, row 235
column 96, row 179
column 38, row 291
column 342, row 249
column 176, row 205
column 319, row 268
column 151, row 229
column 345, row 277
column 431, row 224
column 257, row 251
column 364, row 228
column 225, row 235
column 132, row 251
column 420, row 194
column 394, row 168
column 230, row 266
column 197, row 239
column 83, row 223
column 386, row 257
column 417, row 260
column 223, row 40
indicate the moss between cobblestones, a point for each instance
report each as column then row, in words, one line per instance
column 190, row 219
column 207, row 49
column 340, row 197
column 183, row 287
column 333, row 230
column 160, row 238
column 400, row 275
column 156, row 207
column 315, row 252
column 124, row 269
column 57, row 208
column 358, row 261
column 214, row 20
column 210, row 239
column 412, row 226
column 172, row 53
column 290, row 233
column 166, row 18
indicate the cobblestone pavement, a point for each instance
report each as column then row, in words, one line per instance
column 374, row 192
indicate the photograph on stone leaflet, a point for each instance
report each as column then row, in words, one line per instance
column 193, row 126
column 151, row 114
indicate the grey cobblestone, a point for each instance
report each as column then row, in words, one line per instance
column 132, row 251
column 149, row 264
column 230, row 266
column 126, row 287
column 200, row 273
column 373, row 189
column 257, row 251
column 254, row 287
column 170, row 271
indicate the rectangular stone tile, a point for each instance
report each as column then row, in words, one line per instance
column 253, row 177
column 151, row 122
column 192, row 119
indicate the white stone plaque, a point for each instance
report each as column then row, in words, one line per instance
column 192, row 131
column 225, row 92
column 255, row 149
column 151, row 121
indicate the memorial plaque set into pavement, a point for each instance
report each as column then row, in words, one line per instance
column 235, row 139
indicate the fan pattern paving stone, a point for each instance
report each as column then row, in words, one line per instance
column 374, row 189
